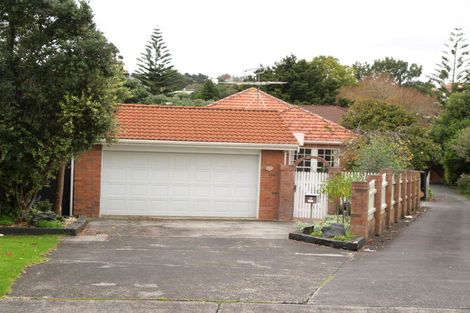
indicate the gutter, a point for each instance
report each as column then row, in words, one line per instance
column 198, row 144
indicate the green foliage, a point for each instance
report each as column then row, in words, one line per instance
column 317, row 81
column 19, row 252
column 208, row 91
column 450, row 131
column 463, row 184
column 6, row 220
column 50, row 224
column 338, row 187
column 460, row 145
column 374, row 152
column 399, row 70
column 379, row 116
column 43, row 206
column 57, row 101
column 154, row 66
column 453, row 72
column 373, row 115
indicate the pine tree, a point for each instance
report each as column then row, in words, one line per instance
column 454, row 69
column 154, row 68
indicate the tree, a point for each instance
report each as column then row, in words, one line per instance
column 461, row 144
column 384, row 88
column 372, row 116
column 399, row 70
column 154, row 66
column 317, row 81
column 453, row 72
column 59, row 82
column 375, row 151
column 448, row 130
column 208, row 91
column 138, row 92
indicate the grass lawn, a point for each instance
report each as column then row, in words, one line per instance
column 19, row 252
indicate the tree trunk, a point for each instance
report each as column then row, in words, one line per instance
column 59, row 190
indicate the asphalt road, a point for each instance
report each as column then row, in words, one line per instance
column 223, row 267
column 427, row 265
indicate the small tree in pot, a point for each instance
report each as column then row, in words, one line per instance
column 339, row 189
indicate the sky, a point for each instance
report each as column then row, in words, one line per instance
column 216, row 37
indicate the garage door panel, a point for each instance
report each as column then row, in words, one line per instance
column 138, row 189
column 115, row 189
column 139, row 174
column 159, row 190
column 157, row 174
column 169, row 184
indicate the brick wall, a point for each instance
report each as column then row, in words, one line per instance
column 286, row 192
column 407, row 191
column 271, row 162
column 87, row 183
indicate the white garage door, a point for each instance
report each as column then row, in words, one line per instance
column 179, row 184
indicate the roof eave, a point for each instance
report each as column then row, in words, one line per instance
column 199, row 144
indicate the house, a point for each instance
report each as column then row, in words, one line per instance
column 320, row 137
column 333, row 113
column 224, row 160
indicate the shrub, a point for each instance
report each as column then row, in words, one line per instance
column 373, row 152
column 6, row 220
column 463, row 184
column 50, row 224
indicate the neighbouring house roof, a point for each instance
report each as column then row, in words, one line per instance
column 202, row 124
column 333, row 113
column 298, row 119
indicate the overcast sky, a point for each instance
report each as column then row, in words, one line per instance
column 216, row 37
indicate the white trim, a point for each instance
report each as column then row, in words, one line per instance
column 324, row 142
column 101, row 180
column 72, row 172
column 178, row 149
column 259, row 184
column 227, row 145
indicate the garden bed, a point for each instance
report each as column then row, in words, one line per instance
column 72, row 229
column 353, row 245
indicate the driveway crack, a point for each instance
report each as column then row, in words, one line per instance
column 326, row 281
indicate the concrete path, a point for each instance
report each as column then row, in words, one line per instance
column 427, row 265
column 245, row 267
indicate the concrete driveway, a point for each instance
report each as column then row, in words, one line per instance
column 183, row 260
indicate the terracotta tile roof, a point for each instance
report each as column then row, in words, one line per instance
column 202, row 124
column 333, row 113
column 315, row 127
column 251, row 99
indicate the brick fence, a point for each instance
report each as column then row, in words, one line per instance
column 382, row 200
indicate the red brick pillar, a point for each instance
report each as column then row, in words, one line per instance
column 332, row 205
column 390, row 209
column 286, row 192
column 360, row 210
column 87, row 183
column 396, row 197
column 379, row 215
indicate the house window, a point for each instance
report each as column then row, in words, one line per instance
column 313, row 165
column 330, row 155
column 305, row 165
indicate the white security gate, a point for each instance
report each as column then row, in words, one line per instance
column 179, row 184
column 310, row 182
